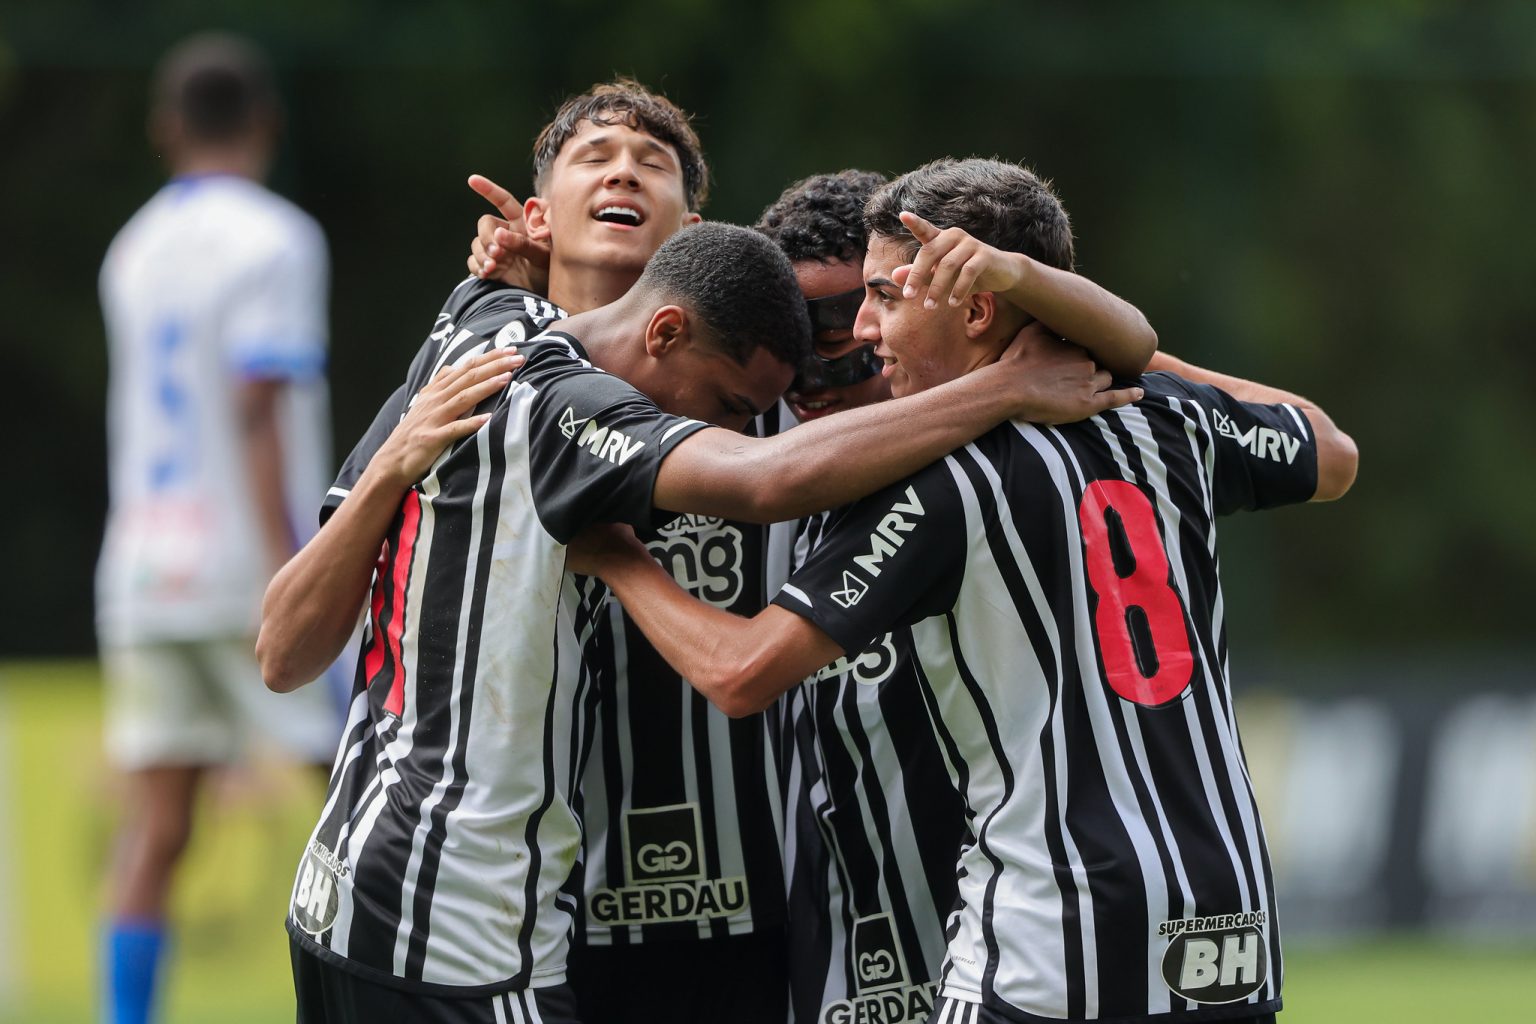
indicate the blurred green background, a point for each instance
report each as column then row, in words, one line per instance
column 1334, row 197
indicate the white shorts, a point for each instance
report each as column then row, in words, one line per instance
column 201, row 702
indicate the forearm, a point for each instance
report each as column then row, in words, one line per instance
column 313, row 603
column 1338, row 458
column 715, row 650
column 263, row 453
column 1111, row 329
column 830, row 462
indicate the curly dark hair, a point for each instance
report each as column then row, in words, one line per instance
column 627, row 102
column 739, row 284
column 1004, row 204
column 822, row 217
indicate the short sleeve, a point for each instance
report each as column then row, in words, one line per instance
column 1261, row 456
column 595, row 446
column 362, row 453
column 276, row 319
column 892, row 559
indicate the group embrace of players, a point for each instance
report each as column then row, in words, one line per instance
column 901, row 697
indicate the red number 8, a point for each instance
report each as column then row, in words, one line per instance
column 1140, row 620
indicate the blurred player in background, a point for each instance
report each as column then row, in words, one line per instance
column 214, row 296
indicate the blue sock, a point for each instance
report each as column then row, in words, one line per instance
column 133, row 950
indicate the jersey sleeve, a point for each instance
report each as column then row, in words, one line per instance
column 475, row 314
column 595, row 445
column 362, row 453
column 1262, row 456
column 275, row 322
column 892, row 559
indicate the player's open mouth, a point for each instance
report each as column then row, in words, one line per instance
column 625, row 216
column 809, row 409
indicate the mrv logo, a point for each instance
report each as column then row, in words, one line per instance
column 889, row 536
column 664, row 862
column 606, row 443
column 314, row 897
column 887, row 539
column 1263, row 442
column 1216, row 959
column 704, row 555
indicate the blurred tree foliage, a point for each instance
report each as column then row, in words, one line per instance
column 1331, row 197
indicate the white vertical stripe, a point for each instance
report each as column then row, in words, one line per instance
column 722, row 782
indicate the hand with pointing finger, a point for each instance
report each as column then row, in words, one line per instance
column 502, row 250
column 955, row 265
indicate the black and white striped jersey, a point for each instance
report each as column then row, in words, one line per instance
column 1068, row 632
column 680, row 807
column 448, row 835
column 876, row 826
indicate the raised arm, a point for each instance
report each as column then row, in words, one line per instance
column 313, row 603
column 830, row 462
column 1337, row 457
column 953, row 264
column 740, row 665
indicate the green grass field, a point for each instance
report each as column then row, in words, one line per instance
column 230, row 961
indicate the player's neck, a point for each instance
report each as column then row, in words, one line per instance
column 578, row 289
column 242, row 162
column 612, row 335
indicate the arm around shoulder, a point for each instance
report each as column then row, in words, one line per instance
column 1337, row 456
column 1338, row 459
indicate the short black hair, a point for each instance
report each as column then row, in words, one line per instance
column 1003, row 204
column 218, row 84
column 627, row 102
column 739, row 284
column 822, row 217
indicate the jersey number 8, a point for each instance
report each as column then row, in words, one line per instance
column 1140, row 619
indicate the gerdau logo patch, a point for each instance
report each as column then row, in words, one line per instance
column 884, row 991
column 664, row 862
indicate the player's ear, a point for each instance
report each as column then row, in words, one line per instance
column 536, row 218
column 667, row 332
column 981, row 314
column 691, row 218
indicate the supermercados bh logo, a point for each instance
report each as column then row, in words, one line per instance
column 604, row 442
column 883, row 989
column 1262, row 442
column 704, row 555
column 314, row 896
column 664, row 862
column 873, row 665
column 1217, row 959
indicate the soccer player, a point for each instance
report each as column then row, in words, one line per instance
column 868, row 896
column 214, row 296
column 1066, row 625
